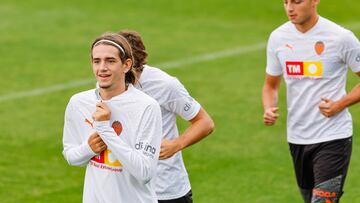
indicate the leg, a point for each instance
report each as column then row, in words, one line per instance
column 330, row 168
column 328, row 191
column 306, row 195
column 301, row 156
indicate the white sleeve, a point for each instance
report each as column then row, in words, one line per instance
column 273, row 66
column 350, row 50
column 180, row 101
column 77, row 151
column 141, row 159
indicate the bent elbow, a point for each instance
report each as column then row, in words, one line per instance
column 210, row 126
column 72, row 161
column 75, row 163
column 147, row 175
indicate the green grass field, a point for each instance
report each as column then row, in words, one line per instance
column 46, row 43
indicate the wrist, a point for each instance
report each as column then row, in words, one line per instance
column 269, row 107
column 179, row 144
column 339, row 106
column 100, row 126
column 89, row 149
column 103, row 118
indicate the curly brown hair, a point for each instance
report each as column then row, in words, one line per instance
column 138, row 48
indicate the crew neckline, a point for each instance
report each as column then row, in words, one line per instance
column 311, row 30
column 119, row 96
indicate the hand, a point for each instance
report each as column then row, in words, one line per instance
column 102, row 112
column 271, row 115
column 96, row 143
column 328, row 108
column 169, row 148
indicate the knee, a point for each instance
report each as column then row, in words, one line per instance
column 329, row 191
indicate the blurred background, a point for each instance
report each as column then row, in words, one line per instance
column 216, row 48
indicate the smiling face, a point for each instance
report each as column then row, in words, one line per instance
column 108, row 68
column 302, row 13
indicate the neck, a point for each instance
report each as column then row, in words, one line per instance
column 307, row 25
column 138, row 74
column 108, row 93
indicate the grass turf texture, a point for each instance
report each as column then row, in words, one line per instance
column 44, row 43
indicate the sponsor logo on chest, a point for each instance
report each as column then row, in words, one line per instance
column 106, row 157
column 304, row 68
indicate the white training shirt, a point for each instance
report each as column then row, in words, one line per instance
column 172, row 180
column 313, row 64
column 122, row 173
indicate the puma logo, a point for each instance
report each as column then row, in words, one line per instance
column 289, row 46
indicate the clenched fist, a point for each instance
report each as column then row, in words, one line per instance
column 102, row 112
column 271, row 115
column 328, row 107
column 96, row 143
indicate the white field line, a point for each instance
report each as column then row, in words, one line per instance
column 167, row 65
column 212, row 56
column 45, row 90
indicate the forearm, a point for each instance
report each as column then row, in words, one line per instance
column 351, row 98
column 195, row 132
column 269, row 97
column 136, row 162
column 79, row 155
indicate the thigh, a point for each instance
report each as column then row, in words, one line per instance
column 332, row 160
column 330, row 168
column 301, row 157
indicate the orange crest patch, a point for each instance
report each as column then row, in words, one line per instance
column 117, row 127
column 319, row 47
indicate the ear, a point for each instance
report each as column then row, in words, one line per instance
column 128, row 65
column 316, row 2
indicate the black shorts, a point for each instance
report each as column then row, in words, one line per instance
column 317, row 163
column 185, row 199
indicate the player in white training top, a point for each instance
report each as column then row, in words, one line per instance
column 172, row 181
column 313, row 55
column 114, row 130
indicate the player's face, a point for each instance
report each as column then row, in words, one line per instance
column 300, row 12
column 108, row 67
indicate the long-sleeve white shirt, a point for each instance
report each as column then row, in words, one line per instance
column 124, row 171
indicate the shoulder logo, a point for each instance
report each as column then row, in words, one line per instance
column 319, row 47
column 358, row 58
column 187, row 106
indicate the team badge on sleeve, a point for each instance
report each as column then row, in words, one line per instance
column 358, row 58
